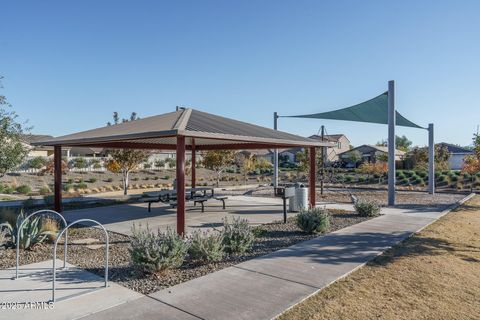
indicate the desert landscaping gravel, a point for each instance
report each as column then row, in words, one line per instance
column 86, row 254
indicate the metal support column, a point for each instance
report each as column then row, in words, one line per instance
column 275, row 154
column 431, row 160
column 57, row 172
column 391, row 143
column 322, row 175
column 313, row 169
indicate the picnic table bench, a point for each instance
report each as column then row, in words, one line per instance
column 197, row 195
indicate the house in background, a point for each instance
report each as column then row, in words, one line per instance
column 369, row 153
column 341, row 144
column 40, row 151
column 457, row 155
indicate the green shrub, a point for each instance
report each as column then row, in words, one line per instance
column 166, row 177
column 206, row 246
column 24, row 189
column 348, row 178
column 409, row 173
column 81, row 185
column 67, row 187
column 237, row 236
column 362, row 179
column 92, row 180
column 155, row 252
column 259, row 232
column 37, row 162
column 44, row 190
column 423, row 174
column 453, row 178
column 442, row 178
column 417, row 180
column 314, row 220
column 367, row 207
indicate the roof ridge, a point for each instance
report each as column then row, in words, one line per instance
column 182, row 121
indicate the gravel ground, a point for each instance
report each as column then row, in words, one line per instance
column 274, row 236
column 406, row 199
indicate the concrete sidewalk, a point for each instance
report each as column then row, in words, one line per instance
column 79, row 293
column 265, row 287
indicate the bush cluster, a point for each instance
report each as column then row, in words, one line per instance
column 314, row 220
column 367, row 207
column 206, row 246
column 156, row 252
column 237, row 235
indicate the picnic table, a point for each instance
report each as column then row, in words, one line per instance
column 197, row 195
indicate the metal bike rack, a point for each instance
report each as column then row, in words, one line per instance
column 55, row 251
column 18, row 237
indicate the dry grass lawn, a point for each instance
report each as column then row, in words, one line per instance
column 432, row 275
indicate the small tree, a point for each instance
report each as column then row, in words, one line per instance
column 218, row 161
column 172, row 163
column 37, row 163
column 13, row 150
column 79, row 163
column 471, row 163
column 159, row 163
column 354, row 157
column 125, row 161
column 247, row 162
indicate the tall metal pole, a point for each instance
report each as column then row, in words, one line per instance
column 57, row 172
column 431, row 160
column 391, row 143
column 313, row 173
column 322, row 175
column 275, row 154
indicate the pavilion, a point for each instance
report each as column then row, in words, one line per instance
column 184, row 129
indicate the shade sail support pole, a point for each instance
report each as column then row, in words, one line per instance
column 313, row 171
column 275, row 153
column 431, row 160
column 57, row 172
column 391, row 143
column 180, row 185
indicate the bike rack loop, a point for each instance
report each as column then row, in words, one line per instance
column 55, row 251
column 18, row 238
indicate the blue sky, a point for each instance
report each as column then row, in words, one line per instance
column 68, row 65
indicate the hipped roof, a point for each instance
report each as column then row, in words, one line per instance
column 159, row 132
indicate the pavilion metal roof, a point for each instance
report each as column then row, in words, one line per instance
column 205, row 130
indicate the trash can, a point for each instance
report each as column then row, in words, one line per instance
column 301, row 197
column 290, row 195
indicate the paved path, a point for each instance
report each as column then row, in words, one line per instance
column 264, row 287
column 120, row 218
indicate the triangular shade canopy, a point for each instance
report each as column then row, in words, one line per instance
column 204, row 130
column 374, row 111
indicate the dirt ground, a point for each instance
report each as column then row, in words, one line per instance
column 432, row 275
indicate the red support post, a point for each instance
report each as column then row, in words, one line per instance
column 57, row 171
column 181, row 185
column 313, row 174
column 194, row 163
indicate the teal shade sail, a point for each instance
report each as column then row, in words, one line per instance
column 374, row 111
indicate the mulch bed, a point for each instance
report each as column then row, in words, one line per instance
column 274, row 236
